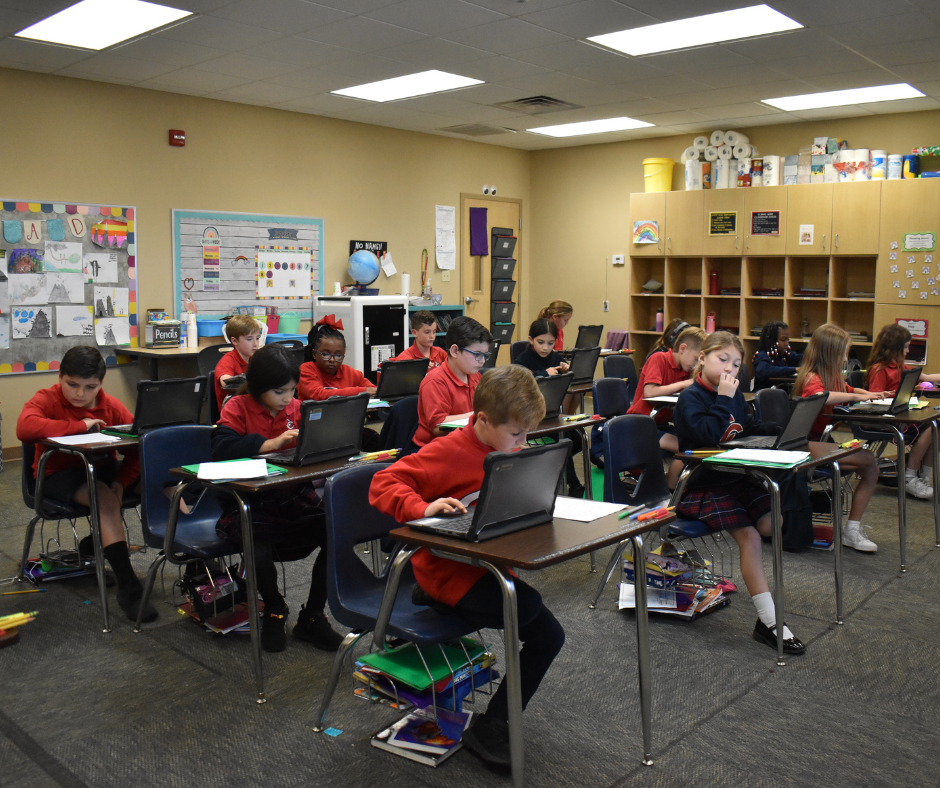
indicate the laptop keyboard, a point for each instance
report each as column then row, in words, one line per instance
column 458, row 524
column 762, row 443
column 126, row 429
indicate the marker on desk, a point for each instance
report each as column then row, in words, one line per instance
column 704, row 452
column 631, row 510
column 378, row 455
column 655, row 514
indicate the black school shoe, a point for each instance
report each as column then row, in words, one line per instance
column 768, row 635
column 129, row 599
column 315, row 628
column 488, row 739
column 273, row 626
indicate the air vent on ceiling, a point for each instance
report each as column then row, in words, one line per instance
column 537, row 105
column 477, row 130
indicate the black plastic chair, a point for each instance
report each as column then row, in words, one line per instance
column 744, row 377
column 400, row 426
column 296, row 348
column 773, row 405
column 517, row 348
column 206, row 361
column 355, row 592
column 493, row 356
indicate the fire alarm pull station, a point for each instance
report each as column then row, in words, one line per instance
column 178, row 138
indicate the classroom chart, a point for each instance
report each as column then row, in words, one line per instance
column 226, row 260
column 58, row 261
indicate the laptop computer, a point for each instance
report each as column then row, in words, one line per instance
column 328, row 429
column 902, row 398
column 554, row 388
column 163, row 403
column 795, row 435
column 583, row 364
column 401, row 379
column 518, row 492
column 588, row 337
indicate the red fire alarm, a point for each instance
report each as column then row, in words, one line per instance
column 178, row 138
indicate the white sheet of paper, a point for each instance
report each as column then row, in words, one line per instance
column 445, row 244
column 665, row 399
column 886, row 401
column 85, row 437
column 243, row 469
column 388, row 265
column 656, row 598
column 583, row 510
column 772, row 456
column 111, row 302
column 457, row 423
column 101, row 267
column 74, row 321
column 4, row 333
column 53, row 288
column 63, row 257
column 111, row 331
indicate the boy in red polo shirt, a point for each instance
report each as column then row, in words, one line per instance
column 244, row 334
column 424, row 330
column 75, row 405
column 506, row 405
column 447, row 392
column 324, row 375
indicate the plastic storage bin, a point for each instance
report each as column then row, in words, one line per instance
column 657, row 175
column 502, row 311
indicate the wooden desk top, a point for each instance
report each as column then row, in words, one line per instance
column 910, row 417
column 538, row 547
column 578, row 388
column 819, row 454
column 161, row 352
column 556, row 425
column 90, row 448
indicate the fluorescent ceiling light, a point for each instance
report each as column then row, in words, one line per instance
column 590, row 127
column 408, row 86
column 97, row 24
column 757, row 20
column 840, row 98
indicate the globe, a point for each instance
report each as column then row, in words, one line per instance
column 363, row 267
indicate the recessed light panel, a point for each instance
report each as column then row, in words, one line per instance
column 408, row 86
column 97, row 24
column 756, row 20
column 841, row 98
column 591, row 127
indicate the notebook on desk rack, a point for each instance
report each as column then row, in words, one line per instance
column 328, row 429
column 583, row 364
column 518, row 492
column 554, row 388
column 795, row 435
column 902, row 398
column 400, row 379
column 163, row 403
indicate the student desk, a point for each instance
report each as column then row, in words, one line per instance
column 580, row 389
column 88, row 452
column 534, row 548
column 154, row 354
column 922, row 417
column 820, row 454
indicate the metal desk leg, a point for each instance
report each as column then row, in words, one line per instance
column 248, row 549
column 154, row 368
column 96, row 538
column 936, row 482
column 837, row 534
column 902, row 494
column 588, row 484
column 776, row 524
column 643, row 653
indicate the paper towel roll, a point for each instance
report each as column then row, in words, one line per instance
column 693, row 175
column 744, row 172
column 405, row 284
column 725, row 152
column 706, row 174
column 772, row 170
column 754, row 152
column 742, row 151
column 192, row 332
column 732, row 173
column 711, row 153
column 720, row 170
column 733, row 138
column 717, row 139
column 690, row 154
column 879, row 163
column 700, row 142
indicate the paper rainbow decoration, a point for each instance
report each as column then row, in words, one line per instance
column 646, row 232
column 109, row 232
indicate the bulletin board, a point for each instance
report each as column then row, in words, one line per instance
column 68, row 277
column 226, row 260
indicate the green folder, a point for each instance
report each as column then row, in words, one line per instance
column 273, row 470
column 404, row 663
column 716, row 460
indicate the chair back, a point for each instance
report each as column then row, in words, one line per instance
column 400, row 426
column 208, row 358
column 631, row 443
column 28, row 480
column 296, row 348
column 619, row 366
column 611, row 397
column 773, row 405
column 745, row 378
column 493, row 356
column 852, row 364
column 517, row 348
column 856, row 378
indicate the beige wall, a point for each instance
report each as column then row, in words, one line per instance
column 365, row 181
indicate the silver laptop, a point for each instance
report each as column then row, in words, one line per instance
column 328, row 429
column 795, row 435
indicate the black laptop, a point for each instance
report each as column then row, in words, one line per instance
column 328, row 429
column 518, row 492
column 583, row 364
column 795, row 435
column 588, row 337
column 163, row 403
column 400, row 379
column 554, row 388
column 902, row 398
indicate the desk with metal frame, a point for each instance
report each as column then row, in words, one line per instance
column 154, row 354
column 534, row 548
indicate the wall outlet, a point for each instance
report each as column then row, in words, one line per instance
column 618, row 259
column 607, row 306
column 445, row 275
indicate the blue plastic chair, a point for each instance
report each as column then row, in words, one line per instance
column 517, row 348
column 355, row 592
column 619, row 366
column 400, row 426
column 611, row 398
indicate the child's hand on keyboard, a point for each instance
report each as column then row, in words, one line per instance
column 94, row 425
column 274, row 444
column 444, row 506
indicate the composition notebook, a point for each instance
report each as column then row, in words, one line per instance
column 771, row 458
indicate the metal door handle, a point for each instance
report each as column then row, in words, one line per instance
column 824, row 242
column 469, row 300
column 668, row 242
column 837, row 240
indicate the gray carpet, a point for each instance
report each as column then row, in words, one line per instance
column 174, row 706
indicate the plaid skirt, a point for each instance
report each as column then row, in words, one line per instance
column 737, row 504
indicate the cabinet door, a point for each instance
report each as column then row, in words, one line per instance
column 856, row 211
column 649, row 207
column 723, row 201
column 765, row 199
column 684, row 222
column 809, row 205
column 908, row 206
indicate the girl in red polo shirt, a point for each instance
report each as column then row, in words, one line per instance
column 324, row 375
column 288, row 524
column 559, row 312
column 884, row 374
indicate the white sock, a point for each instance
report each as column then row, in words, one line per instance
column 910, row 473
column 767, row 613
column 926, row 473
column 853, row 524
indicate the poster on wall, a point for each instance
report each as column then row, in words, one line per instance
column 283, row 272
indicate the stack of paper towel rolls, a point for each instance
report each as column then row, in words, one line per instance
column 726, row 153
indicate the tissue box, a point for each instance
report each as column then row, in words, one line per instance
column 834, row 145
column 162, row 333
column 817, row 170
column 819, row 146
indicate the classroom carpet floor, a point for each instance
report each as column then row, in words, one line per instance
column 173, row 706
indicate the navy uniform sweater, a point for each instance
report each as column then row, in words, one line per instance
column 538, row 365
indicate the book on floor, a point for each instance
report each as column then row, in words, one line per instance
column 423, row 737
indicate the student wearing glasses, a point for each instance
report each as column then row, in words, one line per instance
column 323, row 374
column 447, row 391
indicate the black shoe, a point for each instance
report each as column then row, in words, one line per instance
column 315, row 628
column 86, row 552
column 576, row 490
column 129, row 599
column 488, row 739
column 768, row 635
column 273, row 626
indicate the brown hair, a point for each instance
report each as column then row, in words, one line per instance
column 693, row 337
column 662, row 342
column 241, row 326
column 717, row 341
column 422, row 318
column 824, row 356
column 557, row 308
column 889, row 346
column 510, row 394
column 541, row 326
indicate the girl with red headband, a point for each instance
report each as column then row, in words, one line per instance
column 323, row 375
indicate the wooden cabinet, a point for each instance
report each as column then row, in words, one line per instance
column 908, row 206
column 856, row 213
column 684, row 222
column 764, row 199
column 649, row 207
column 723, row 201
column 811, row 205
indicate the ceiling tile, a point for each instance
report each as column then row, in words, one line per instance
column 591, row 62
column 246, row 66
column 312, row 80
column 363, row 35
column 750, row 109
column 236, row 99
column 435, row 17
column 285, row 16
column 370, row 68
column 923, row 50
column 12, row 21
column 589, row 18
column 829, row 60
column 299, row 51
column 670, row 10
column 851, row 79
column 603, row 94
column 834, row 12
column 317, row 105
column 41, row 8
column 702, row 98
column 497, row 69
column 196, row 6
column 554, row 84
column 930, row 88
column 202, row 81
column 703, row 127
column 520, row 8
column 491, row 94
column 167, row 50
column 637, row 107
column 506, row 36
column 666, row 86
column 39, row 57
column 108, row 65
column 219, row 33
column 673, row 118
column 759, row 120
column 783, row 45
column 898, row 28
column 697, row 61
column 918, row 72
column 830, row 113
column 782, row 87
column 903, row 105
column 451, row 105
column 357, row 6
column 77, row 74
column 435, row 53
column 264, row 91
column 753, row 74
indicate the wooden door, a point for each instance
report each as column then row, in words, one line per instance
column 684, row 212
column 476, row 272
column 723, row 201
column 766, row 200
column 856, row 214
column 810, row 205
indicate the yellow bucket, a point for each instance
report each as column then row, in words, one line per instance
column 657, row 175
